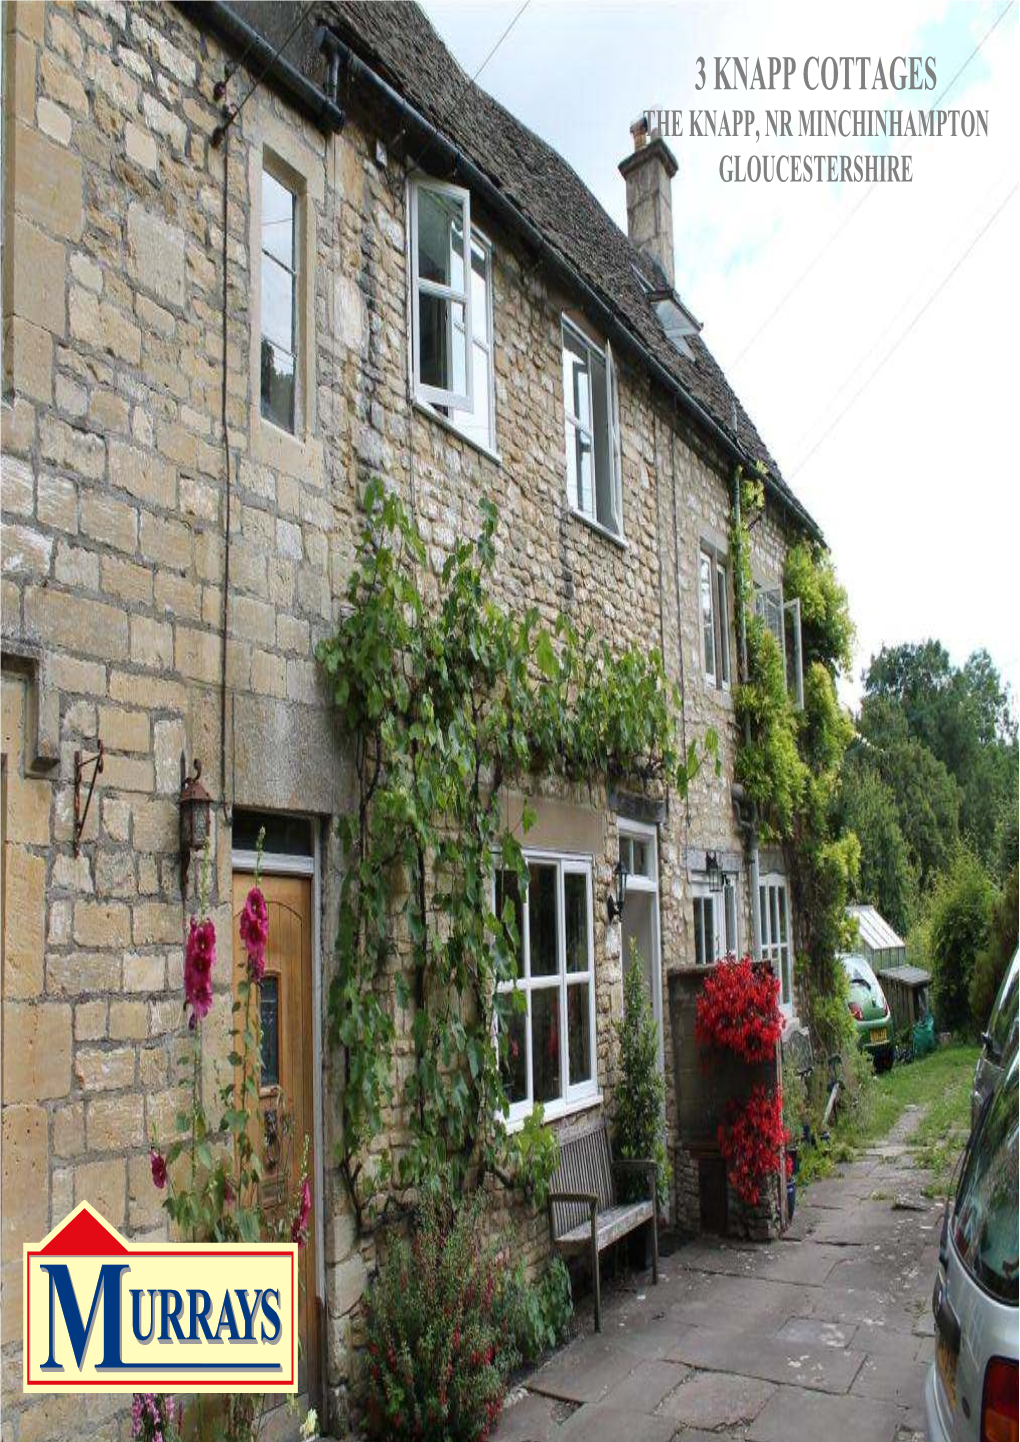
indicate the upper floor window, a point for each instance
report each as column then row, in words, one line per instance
column 279, row 311
column 592, row 418
column 548, row 1053
column 783, row 620
column 713, row 595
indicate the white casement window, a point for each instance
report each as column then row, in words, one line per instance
column 776, row 935
column 783, row 620
column 592, row 423
column 550, row 1045
column 715, row 922
column 442, row 323
column 279, row 302
column 713, row 595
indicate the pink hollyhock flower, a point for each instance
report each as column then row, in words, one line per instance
column 158, row 1163
column 199, row 960
column 228, row 1193
column 299, row 1226
column 255, row 932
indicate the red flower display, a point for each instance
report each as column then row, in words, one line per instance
column 752, row 1142
column 738, row 1010
column 199, row 960
column 254, row 927
column 157, row 1162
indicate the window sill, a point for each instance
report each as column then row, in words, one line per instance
column 430, row 412
column 296, row 455
column 620, row 542
column 558, row 1111
column 721, row 695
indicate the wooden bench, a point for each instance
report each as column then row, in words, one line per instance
column 584, row 1213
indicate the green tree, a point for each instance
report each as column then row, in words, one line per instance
column 958, row 927
column 927, row 797
column 964, row 717
column 992, row 960
column 639, row 1119
column 888, row 878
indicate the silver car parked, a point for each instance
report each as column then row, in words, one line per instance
column 971, row 1391
column 998, row 1040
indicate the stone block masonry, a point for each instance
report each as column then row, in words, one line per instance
column 114, row 561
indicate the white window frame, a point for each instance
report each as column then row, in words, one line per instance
column 724, row 931
column 614, row 527
column 718, row 673
column 583, row 1094
column 438, row 395
column 783, row 620
column 647, row 882
column 773, row 902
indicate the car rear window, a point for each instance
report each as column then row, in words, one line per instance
column 1004, row 1013
column 985, row 1216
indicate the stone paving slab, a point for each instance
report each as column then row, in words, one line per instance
column 603, row 1423
column 816, row 1416
column 711, row 1400
column 530, row 1418
column 584, row 1371
column 823, row 1369
column 890, row 1379
column 642, row 1390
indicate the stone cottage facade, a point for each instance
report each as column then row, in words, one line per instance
column 211, row 342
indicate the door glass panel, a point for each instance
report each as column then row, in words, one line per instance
column 578, row 1035
column 575, row 894
column 270, row 1015
column 542, row 920
column 545, row 1043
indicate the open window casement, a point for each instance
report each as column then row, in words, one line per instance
column 794, row 653
column 616, row 454
column 768, row 604
column 441, row 294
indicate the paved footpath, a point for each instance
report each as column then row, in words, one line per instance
column 821, row 1337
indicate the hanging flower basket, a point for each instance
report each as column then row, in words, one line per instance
column 738, row 1011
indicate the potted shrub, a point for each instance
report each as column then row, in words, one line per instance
column 639, row 1120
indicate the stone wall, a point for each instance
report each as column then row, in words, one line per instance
column 114, row 563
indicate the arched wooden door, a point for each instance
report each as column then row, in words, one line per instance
column 285, row 1115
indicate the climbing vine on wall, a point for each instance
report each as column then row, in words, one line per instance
column 449, row 699
column 790, row 761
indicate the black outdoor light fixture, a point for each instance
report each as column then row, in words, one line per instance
column 716, row 875
column 615, row 900
column 195, row 806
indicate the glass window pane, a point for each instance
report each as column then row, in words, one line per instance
column 545, row 1044
column 731, row 918
column 707, row 615
column 576, row 380
column 575, row 900
column 603, row 443
column 781, row 905
column 514, row 1063
column 578, row 1034
column 641, row 860
column 542, row 927
column 985, row 1215
column 277, row 304
column 579, row 470
column 269, row 1006
column 479, row 292
column 277, row 220
column 442, row 345
column 763, row 908
column 507, row 890
column 774, row 914
column 277, row 386
column 626, row 854
column 700, row 955
column 723, row 618
column 441, row 239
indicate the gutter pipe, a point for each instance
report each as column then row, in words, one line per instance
column 261, row 58
column 413, row 121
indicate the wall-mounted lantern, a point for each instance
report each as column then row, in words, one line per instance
column 615, row 899
column 195, row 808
column 716, row 875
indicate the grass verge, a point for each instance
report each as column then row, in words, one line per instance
column 940, row 1083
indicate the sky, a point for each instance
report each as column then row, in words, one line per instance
column 872, row 334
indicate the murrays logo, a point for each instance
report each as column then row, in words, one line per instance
column 105, row 1314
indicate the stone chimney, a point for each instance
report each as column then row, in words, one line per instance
column 649, row 172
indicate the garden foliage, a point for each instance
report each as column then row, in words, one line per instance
column 639, row 1098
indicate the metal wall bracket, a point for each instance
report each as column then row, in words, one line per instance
column 80, row 812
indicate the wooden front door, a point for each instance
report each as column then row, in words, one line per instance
column 285, row 1116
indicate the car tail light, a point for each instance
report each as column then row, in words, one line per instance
column 999, row 1403
column 856, row 1012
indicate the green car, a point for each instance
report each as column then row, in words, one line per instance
column 870, row 1011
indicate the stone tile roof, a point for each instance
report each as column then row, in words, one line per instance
column 396, row 39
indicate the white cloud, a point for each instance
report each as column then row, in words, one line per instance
column 915, row 486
